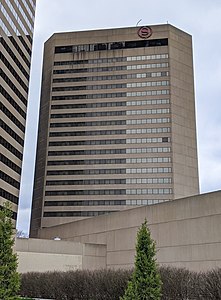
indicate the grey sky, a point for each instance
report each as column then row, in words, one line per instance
column 200, row 18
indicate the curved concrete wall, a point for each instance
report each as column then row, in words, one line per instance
column 187, row 232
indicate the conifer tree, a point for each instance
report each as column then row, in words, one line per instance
column 145, row 282
column 9, row 278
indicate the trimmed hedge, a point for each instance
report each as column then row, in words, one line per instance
column 178, row 283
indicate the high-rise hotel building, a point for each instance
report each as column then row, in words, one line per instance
column 117, row 123
column 16, row 32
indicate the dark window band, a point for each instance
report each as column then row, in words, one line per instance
column 11, row 132
column 17, row 47
column 90, row 61
column 13, row 72
column 112, row 46
column 12, row 149
column 76, row 213
column 8, row 196
column 90, row 70
column 87, row 152
column 86, row 182
column 87, row 162
column 9, row 180
column 87, row 133
column 10, row 52
column 89, row 142
column 90, row 87
column 85, row 203
column 86, row 192
column 12, row 102
column 89, row 114
column 89, row 105
column 24, row 43
column 12, row 117
column 90, row 96
column 13, row 87
column 86, row 172
column 10, row 164
column 95, row 123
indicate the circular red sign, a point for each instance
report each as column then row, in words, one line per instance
column 144, row 32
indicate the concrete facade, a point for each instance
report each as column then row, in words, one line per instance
column 186, row 231
column 52, row 255
column 16, row 37
column 117, row 123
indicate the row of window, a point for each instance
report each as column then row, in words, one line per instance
column 86, row 182
column 85, row 203
column 144, row 160
column 13, row 72
column 148, row 140
column 12, row 118
column 147, row 121
column 112, row 77
column 13, row 87
column 89, row 105
column 88, row 142
column 9, row 147
column 63, row 214
column 111, row 104
column 90, row 96
column 148, row 111
column 87, row 152
column 87, row 133
column 166, row 180
column 112, row 123
column 111, row 59
column 90, row 124
column 87, row 162
column 86, row 192
column 148, row 191
column 86, row 172
column 111, row 113
column 148, row 83
column 8, row 196
column 12, row 102
column 148, row 130
column 148, row 93
column 145, row 202
column 147, row 57
column 89, row 114
column 148, row 170
column 111, row 46
column 13, row 56
column 110, row 86
column 9, row 180
column 111, row 69
column 18, row 48
column 148, row 66
column 11, row 132
column 148, row 102
column 148, row 150
column 104, row 202
column 111, row 132
column 10, row 164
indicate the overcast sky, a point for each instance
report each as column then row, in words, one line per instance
column 200, row 18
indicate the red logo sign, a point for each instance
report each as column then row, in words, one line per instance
column 144, row 32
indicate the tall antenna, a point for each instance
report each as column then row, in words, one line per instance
column 138, row 22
